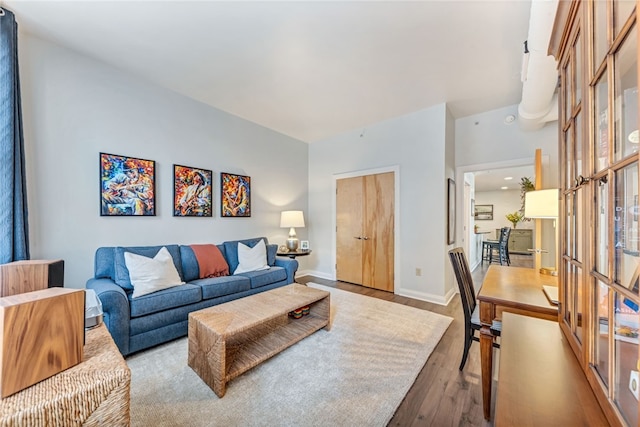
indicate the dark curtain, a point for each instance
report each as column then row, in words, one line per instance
column 14, row 230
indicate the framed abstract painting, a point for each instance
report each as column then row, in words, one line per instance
column 192, row 191
column 127, row 186
column 235, row 195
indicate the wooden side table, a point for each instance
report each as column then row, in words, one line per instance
column 95, row 392
column 19, row 277
column 293, row 254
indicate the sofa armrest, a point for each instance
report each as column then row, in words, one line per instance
column 115, row 307
column 290, row 266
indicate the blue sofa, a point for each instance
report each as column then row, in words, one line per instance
column 149, row 320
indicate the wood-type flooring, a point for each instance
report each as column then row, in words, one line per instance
column 441, row 395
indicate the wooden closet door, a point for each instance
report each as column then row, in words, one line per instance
column 378, row 237
column 349, row 221
column 365, row 207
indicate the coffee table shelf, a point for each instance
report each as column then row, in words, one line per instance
column 229, row 339
column 250, row 354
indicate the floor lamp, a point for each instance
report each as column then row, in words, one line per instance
column 543, row 204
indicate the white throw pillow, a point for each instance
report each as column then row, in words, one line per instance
column 151, row 274
column 251, row 259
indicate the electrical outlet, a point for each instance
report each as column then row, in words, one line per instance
column 633, row 383
column 418, row 272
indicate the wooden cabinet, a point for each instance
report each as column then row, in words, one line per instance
column 596, row 45
column 520, row 241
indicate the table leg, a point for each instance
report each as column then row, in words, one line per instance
column 486, row 363
column 487, row 314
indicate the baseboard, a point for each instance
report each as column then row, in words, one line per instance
column 302, row 273
column 422, row 296
column 427, row 297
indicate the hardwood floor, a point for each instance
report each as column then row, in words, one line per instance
column 441, row 394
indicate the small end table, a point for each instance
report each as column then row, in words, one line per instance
column 294, row 254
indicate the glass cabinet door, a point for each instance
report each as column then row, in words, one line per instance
column 599, row 146
column 574, row 186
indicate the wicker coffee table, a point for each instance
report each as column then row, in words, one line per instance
column 229, row 339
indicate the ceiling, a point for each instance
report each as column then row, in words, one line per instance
column 494, row 179
column 310, row 70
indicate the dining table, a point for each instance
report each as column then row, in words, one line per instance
column 509, row 289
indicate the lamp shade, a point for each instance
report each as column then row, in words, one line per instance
column 541, row 204
column 291, row 219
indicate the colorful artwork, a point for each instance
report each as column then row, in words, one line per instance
column 235, row 194
column 127, row 186
column 191, row 191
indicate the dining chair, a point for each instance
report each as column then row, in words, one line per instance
column 497, row 249
column 470, row 306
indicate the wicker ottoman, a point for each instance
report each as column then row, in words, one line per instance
column 92, row 393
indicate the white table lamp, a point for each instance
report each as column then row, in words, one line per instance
column 292, row 219
column 543, row 204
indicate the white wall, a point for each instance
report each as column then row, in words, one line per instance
column 474, row 253
column 450, row 163
column 484, row 139
column 504, row 202
column 75, row 107
column 415, row 143
column 428, row 146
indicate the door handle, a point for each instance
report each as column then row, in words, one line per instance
column 359, row 238
column 581, row 180
column 365, row 238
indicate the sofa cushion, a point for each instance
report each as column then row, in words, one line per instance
column 224, row 285
column 150, row 275
column 265, row 277
column 121, row 270
column 165, row 299
column 231, row 251
column 103, row 263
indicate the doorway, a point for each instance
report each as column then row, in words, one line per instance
column 486, row 178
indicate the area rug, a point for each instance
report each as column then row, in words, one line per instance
column 356, row 374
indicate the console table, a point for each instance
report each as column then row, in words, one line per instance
column 540, row 381
column 92, row 393
column 508, row 289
